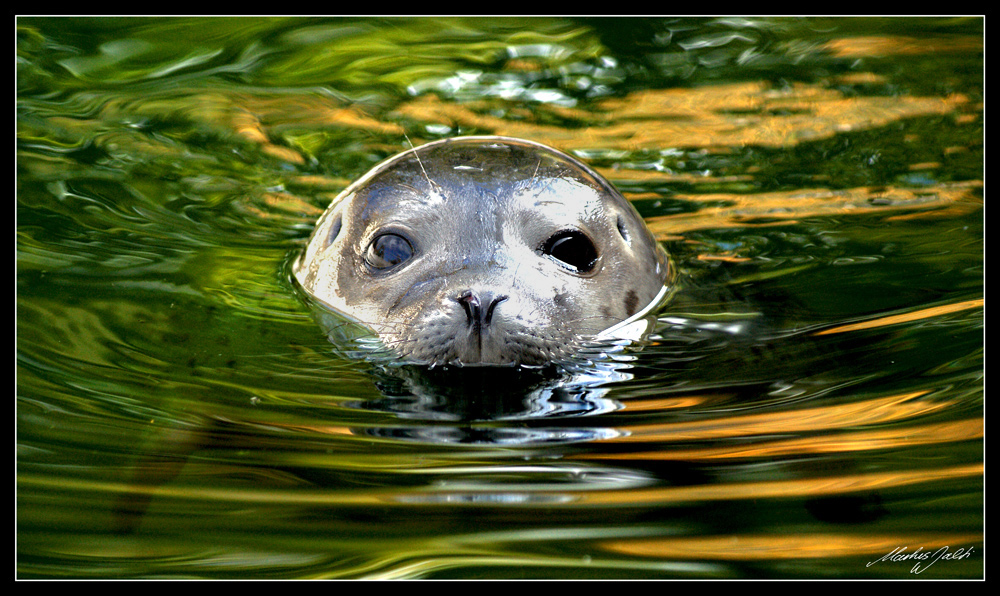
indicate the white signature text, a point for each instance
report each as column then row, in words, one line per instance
column 923, row 558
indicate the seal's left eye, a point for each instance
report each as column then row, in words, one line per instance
column 388, row 250
column 573, row 249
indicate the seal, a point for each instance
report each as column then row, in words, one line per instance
column 483, row 251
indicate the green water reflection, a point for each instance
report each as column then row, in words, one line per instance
column 811, row 400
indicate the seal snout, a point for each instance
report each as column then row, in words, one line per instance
column 480, row 344
column 479, row 307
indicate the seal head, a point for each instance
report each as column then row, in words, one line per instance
column 483, row 251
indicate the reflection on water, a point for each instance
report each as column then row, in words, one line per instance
column 719, row 116
column 809, row 402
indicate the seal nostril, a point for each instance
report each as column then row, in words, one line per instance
column 491, row 308
column 469, row 302
column 475, row 313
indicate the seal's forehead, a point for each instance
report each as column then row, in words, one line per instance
column 508, row 162
column 465, row 170
column 561, row 199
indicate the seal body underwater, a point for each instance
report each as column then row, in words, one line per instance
column 483, row 251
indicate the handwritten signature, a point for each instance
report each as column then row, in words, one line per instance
column 923, row 558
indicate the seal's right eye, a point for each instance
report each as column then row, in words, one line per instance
column 388, row 250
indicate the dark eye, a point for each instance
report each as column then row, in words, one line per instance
column 388, row 250
column 573, row 249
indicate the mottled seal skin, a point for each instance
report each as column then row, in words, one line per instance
column 483, row 251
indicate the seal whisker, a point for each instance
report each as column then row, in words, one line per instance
column 416, row 154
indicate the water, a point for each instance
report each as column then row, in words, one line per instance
column 809, row 406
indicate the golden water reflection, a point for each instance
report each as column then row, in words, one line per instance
column 727, row 115
column 924, row 313
column 875, row 46
column 869, row 440
column 850, row 415
column 721, row 210
column 778, row 489
column 743, row 547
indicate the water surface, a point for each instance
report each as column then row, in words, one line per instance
column 810, row 402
